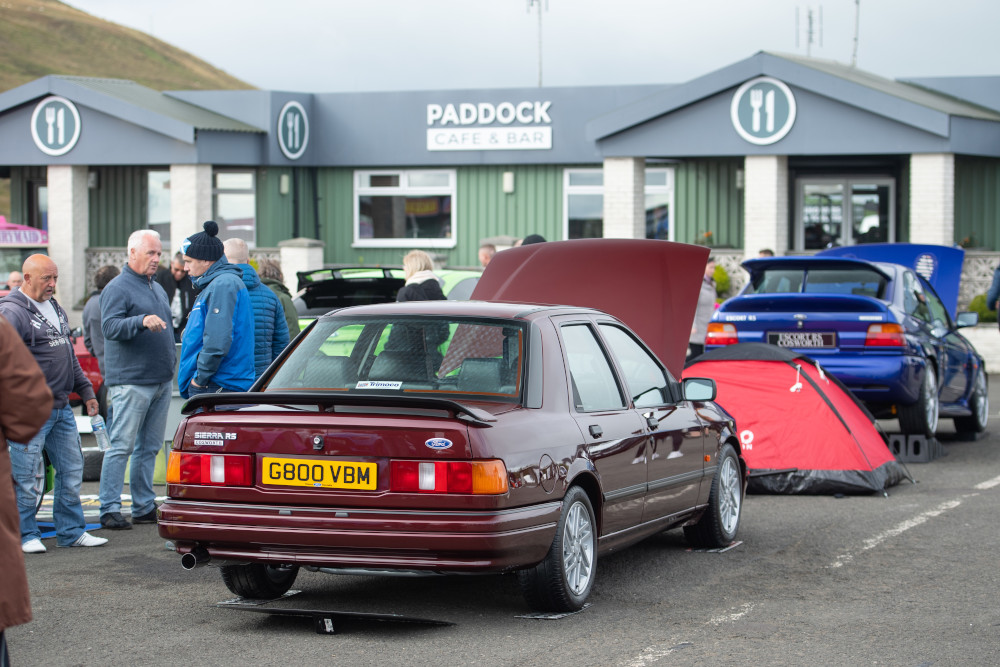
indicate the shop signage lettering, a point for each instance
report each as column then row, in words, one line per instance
column 486, row 126
column 23, row 237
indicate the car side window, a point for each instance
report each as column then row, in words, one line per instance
column 914, row 299
column 593, row 381
column 938, row 313
column 646, row 380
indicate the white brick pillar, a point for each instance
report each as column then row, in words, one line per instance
column 69, row 217
column 932, row 198
column 299, row 254
column 765, row 204
column 624, row 198
column 190, row 201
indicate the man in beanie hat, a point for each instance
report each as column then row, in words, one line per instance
column 217, row 346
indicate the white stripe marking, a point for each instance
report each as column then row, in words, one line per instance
column 733, row 617
column 988, row 484
column 653, row 653
column 901, row 528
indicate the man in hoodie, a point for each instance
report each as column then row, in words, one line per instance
column 43, row 326
column 139, row 370
column 217, row 346
column 270, row 333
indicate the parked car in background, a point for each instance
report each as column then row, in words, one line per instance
column 879, row 327
column 323, row 290
column 464, row 437
column 452, row 437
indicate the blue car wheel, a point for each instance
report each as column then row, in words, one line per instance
column 921, row 418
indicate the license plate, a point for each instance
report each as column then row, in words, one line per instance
column 813, row 339
column 321, row 474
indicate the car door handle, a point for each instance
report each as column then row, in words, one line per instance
column 596, row 431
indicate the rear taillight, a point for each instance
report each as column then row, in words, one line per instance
column 721, row 333
column 885, row 335
column 210, row 469
column 468, row 477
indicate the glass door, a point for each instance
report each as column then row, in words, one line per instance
column 844, row 211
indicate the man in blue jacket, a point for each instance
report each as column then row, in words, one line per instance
column 270, row 333
column 217, row 345
column 139, row 359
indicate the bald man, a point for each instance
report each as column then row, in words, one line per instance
column 43, row 326
column 14, row 279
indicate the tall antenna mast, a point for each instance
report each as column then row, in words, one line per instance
column 814, row 30
column 532, row 3
column 857, row 22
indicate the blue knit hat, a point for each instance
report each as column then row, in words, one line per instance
column 204, row 245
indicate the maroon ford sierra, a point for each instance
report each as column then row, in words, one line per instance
column 455, row 438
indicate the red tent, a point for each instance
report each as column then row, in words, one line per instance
column 801, row 430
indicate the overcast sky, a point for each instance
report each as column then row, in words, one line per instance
column 365, row 45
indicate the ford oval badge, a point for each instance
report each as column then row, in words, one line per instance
column 438, row 443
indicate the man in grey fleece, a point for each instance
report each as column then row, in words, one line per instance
column 139, row 355
column 43, row 326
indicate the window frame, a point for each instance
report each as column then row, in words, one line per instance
column 569, row 190
column 363, row 176
column 216, row 191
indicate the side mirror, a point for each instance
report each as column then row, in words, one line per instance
column 698, row 389
column 966, row 320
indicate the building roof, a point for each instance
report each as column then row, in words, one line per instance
column 920, row 107
column 130, row 101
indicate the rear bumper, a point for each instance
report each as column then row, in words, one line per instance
column 432, row 541
column 878, row 379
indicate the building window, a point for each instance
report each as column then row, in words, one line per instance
column 844, row 211
column 403, row 209
column 158, row 204
column 234, row 200
column 583, row 203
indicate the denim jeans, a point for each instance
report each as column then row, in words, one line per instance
column 138, row 431
column 61, row 441
column 197, row 391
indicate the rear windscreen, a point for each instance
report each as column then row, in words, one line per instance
column 856, row 281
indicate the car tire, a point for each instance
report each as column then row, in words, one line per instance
column 258, row 581
column 979, row 401
column 720, row 523
column 921, row 418
column 563, row 580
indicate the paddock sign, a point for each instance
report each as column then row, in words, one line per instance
column 485, row 126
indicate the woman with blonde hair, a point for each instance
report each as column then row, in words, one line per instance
column 421, row 283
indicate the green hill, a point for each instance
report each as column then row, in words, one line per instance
column 40, row 37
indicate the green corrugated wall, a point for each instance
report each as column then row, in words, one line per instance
column 977, row 202
column 117, row 205
column 706, row 199
column 482, row 211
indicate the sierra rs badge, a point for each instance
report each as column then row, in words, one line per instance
column 438, row 443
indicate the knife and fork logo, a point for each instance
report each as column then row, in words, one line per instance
column 292, row 120
column 758, row 99
column 55, row 121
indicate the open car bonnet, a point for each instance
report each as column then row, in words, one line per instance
column 940, row 265
column 652, row 286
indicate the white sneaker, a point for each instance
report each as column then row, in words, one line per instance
column 88, row 540
column 33, row 546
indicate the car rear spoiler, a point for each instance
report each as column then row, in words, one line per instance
column 330, row 401
column 758, row 264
